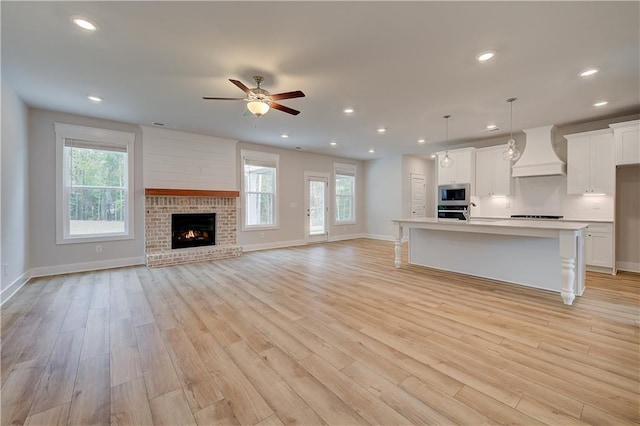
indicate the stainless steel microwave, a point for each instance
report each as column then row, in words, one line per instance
column 458, row 194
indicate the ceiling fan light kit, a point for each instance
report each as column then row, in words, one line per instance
column 258, row 108
column 259, row 101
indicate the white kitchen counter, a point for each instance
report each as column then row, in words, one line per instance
column 535, row 253
column 564, row 219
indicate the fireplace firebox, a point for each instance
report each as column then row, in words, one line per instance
column 193, row 230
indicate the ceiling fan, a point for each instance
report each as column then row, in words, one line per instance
column 259, row 101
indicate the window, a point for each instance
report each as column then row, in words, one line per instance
column 260, row 183
column 94, row 189
column 345, row 193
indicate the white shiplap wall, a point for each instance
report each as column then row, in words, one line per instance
column 179, row 160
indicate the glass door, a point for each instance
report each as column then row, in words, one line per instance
column 317, row 208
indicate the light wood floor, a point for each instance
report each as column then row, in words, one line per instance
column 324, row 334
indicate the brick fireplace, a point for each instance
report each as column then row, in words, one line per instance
column 161, row 204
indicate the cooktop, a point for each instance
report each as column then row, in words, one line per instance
column 534, row 216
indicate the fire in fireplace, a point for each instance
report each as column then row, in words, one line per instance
column 193, row 230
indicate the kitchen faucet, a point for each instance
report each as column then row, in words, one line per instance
column 467, row 212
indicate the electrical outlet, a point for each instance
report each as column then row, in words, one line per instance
column 262, row 235
column 98, row 248
column 5, row 269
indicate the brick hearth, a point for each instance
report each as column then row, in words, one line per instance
column 159, row 209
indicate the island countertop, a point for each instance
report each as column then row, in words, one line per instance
column 532, row 228
column 536, row 253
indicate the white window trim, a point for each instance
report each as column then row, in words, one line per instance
column 104, row 136
column 345, row 169
column 246, row 154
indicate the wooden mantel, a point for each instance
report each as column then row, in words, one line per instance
column 168, row 192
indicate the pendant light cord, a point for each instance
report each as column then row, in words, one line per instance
column 446, row 131
column 511, row 121
column 511, row 101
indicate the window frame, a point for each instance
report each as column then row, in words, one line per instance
column 265, row 157
column 99, row 137
column 340, row 169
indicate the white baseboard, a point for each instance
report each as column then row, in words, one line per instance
column 44, row 271
column 346, row 237
column 278, row 244
column 383, row 237
column 379, row 237
column 600, row 269
column 295, row 243
column 13, row 288
column 628, row 266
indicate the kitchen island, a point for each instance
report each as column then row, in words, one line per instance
column 534, row 253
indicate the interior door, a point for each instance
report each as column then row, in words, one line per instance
column 317, row 208
column 418, row 195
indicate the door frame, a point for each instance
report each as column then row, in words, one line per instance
column 424, row 195
column 317, row 176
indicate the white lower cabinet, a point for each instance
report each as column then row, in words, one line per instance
column 598, row 246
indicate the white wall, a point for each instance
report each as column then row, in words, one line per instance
column 291, row 199
column 47, row 257
column 383, row 195
column 180, row 160
column 628, row 218
column 14, row 197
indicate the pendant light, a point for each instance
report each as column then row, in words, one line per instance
column 512, row 153
column 447, row 161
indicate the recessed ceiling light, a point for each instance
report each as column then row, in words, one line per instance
column 284, row 136
column 333, row 143
column 371, row 151
column 600, row 104
column 485, row 56
column 587, row 73
column 94, row 98
column 381, row 130
column 432, row 156
column 348, row 110
column 421, row 141
column 84, row 24
column 491, row 126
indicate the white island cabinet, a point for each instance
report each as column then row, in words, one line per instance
column 541, row 254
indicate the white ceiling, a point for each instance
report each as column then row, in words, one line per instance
column 401, row 65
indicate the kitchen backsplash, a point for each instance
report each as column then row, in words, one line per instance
column 546, row 196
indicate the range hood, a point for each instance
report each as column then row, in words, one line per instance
column 539, row 158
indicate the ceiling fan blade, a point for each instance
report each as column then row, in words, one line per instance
column 223, row 99
column 284, row 108
column 287, row 95
column 242, row 87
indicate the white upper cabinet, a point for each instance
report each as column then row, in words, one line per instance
column 627, row 142
column 590, row 163
column 463, row 168
column 493, row 173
